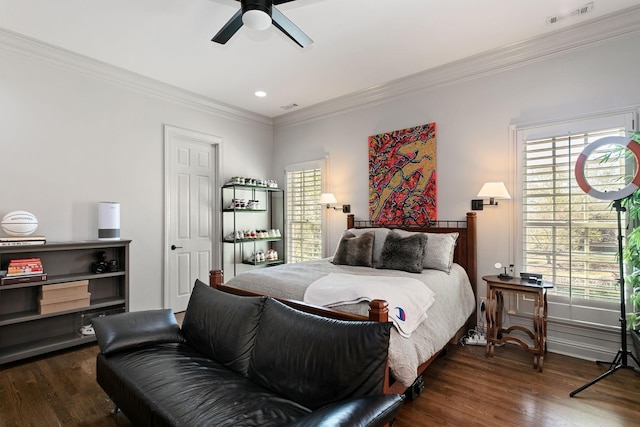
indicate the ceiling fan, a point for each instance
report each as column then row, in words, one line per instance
column 258, row 15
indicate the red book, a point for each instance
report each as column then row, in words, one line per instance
column 24, row 267
column 24, row 261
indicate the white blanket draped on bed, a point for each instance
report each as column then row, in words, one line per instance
column 409, row 299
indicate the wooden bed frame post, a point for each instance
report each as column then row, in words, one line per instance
column 216, row 278
column 472, row 262
column 379, row 310
column 351, row 221
column 472, row 266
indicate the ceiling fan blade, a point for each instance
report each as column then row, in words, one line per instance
column 289, row 28
column 277, row 2
column 229, row 29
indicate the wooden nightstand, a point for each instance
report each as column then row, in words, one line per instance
column 496, row 334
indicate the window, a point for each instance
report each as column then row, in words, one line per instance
column 304, row 215
column 563, row 233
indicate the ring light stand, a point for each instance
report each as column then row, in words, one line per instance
column 621, row 359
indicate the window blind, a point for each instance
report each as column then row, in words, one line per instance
column 304, row 215
column 569, row 236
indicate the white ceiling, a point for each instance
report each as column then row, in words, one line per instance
column 358, row 44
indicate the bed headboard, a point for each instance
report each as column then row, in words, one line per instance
column 466, row 250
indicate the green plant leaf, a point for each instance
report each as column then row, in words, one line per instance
column 633, row 321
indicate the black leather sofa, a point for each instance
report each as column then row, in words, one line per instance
column 244, row 361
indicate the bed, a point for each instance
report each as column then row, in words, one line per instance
column 449, row 315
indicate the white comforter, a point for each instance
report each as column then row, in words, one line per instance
column 454, row 303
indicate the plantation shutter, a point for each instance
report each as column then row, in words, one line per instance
column 565, row 234
column 304, row 214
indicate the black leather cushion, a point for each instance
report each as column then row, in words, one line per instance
column 403, row 253
column 315, row 360
column 174, row 385
column 222, row 326
column 355, row 250
column 136, row 329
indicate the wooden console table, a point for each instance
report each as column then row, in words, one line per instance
column 496, row 334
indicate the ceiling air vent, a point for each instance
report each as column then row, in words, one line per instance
column 289, row 107
column 576, row 12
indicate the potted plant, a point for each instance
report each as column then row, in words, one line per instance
column 631, row 256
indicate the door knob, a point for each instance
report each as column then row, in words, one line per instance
column 174, row 247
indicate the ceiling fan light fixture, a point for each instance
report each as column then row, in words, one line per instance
column 256, row 20
column 256, row 14
column 259, row 15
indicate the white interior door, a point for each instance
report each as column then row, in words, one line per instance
column 191, row 212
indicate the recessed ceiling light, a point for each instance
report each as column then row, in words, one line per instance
column 261, row 94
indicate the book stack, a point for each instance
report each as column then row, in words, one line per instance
column 23, row 270
column 24, row 240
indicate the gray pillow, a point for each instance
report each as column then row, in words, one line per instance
column 355, row 250
column 378, row 243
column 403, row 253
column 440, row 249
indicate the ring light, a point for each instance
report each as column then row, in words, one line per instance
column 581, row 163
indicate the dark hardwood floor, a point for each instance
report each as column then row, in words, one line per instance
column 463, row 388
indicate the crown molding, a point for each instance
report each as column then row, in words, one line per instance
column 21, row 45
column 560, row 42
column 600, row 30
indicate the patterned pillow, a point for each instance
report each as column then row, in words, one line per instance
column 403, row 253
column 355, row 250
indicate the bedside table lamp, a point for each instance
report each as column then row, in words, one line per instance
column 491, row 191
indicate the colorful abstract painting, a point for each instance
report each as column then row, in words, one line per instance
column 402, row 176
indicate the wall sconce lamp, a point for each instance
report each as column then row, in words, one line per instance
column 329, row 199
column 491, row 191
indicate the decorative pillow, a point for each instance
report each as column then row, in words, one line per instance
column 440, row 249
column 403, row 253
column 378, row 243
column 355, row 250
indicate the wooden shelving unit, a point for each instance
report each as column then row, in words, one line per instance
column 26, row 333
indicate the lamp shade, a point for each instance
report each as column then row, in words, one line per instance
column 494, row 190
column 328, row 199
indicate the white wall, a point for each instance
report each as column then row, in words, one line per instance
column 70, row 138
column 473, row 116
column 473, row 119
